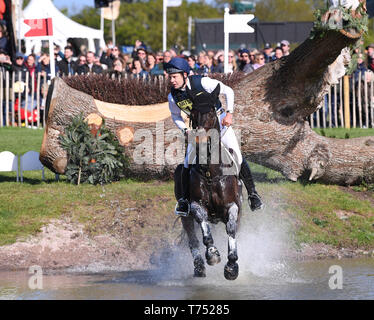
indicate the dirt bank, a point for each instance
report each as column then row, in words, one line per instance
column 65, row 244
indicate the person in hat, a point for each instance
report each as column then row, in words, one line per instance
column 245, row 64
column 268, row 53
column 370, row 56
column 184, row 90
column 285, row 45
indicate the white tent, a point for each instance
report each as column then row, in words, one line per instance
column 63, row 27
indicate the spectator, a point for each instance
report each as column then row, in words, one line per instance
column 90, row 66
column 278, row 53
column 201, row 59
column 173, row 53
column 246, row 65
column 151, row 66
column 166, row 56
column 259, row 61
column 286, row 47
column 44, row 66
column 119, row 69
column 137, row 69
column 67, row 66
column 370, row 56
column 109, row 55
column 232, row 62
column 81, row 60
column 3, row 39
column 268, row 53
column 19, row 65
column 219, row 62
column 252, row 55
column 141, row 53
column 159, row 57
column 5, row 65
column 192, row 63
column 32, row 70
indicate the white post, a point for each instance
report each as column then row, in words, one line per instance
column 189, row 32
column 102, row 19
column 113, row 26
column 164, row 14
column 226, row 41
column 52, row 57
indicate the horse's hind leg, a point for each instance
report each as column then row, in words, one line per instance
column 198, row 261
column 231, row 270
column 201, row 215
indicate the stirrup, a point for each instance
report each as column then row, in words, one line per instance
column 255, row 202
column 182, row 213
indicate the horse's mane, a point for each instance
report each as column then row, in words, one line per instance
column 132, row 91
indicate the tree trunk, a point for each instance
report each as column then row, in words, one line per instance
column 271, row 106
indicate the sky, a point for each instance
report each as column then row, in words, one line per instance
column 74, row 6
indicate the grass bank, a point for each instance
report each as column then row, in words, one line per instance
column 143, row 212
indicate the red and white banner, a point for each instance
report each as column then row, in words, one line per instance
column 39, row 27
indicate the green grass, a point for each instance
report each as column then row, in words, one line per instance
column 144, row 209
column 342, row 133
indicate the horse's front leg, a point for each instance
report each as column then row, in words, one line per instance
column 201, row 216
column 198, row 261
column 231, row 270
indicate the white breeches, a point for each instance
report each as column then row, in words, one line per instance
column 228, row 139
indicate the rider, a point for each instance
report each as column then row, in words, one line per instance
column 181, row 99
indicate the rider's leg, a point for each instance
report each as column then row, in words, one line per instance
column 230, row 142
column 254, row 199
column 183, row 205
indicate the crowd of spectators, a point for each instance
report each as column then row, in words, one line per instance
column 144, row 63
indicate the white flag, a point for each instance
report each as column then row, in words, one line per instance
column 173, row 3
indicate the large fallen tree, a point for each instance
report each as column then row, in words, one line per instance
column 271, row 107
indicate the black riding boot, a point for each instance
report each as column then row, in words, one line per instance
column 254, row 199
column 183, row 205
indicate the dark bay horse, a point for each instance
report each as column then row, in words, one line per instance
column 214, row 196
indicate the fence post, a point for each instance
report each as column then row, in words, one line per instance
column 44, row 98
column 335, row 107
column 346, row 102
column 7, row 98
column 354, row 101
column 13, row 97
column 38, row 99
column 32, row 98
column 19, row 98
column 1, row 98
column 26, row 99
column 366, row 102
column 329, row 106
column 371, row 101
column 341, row 103
column 359, row 99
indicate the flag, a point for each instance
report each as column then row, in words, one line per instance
column 112, row 12
column 39, row 27
column 173, row 3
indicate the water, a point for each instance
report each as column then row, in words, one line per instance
column 301, row 280
column 265, row 273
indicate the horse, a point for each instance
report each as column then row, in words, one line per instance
column 214, row 197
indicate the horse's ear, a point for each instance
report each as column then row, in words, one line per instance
column 216, row 92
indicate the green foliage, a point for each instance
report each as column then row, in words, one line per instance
column 286, row 10
column 357, row 22
column 94, row 159
column 143, row 20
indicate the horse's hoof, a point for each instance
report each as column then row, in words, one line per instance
column 212, row 256
column 231, row 271
column 199, row 270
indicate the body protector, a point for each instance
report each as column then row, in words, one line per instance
column 195, row 98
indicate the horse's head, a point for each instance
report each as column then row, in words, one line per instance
column 203, row 114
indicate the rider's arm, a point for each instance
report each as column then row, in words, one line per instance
column 176, row 114
column 210, row 84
